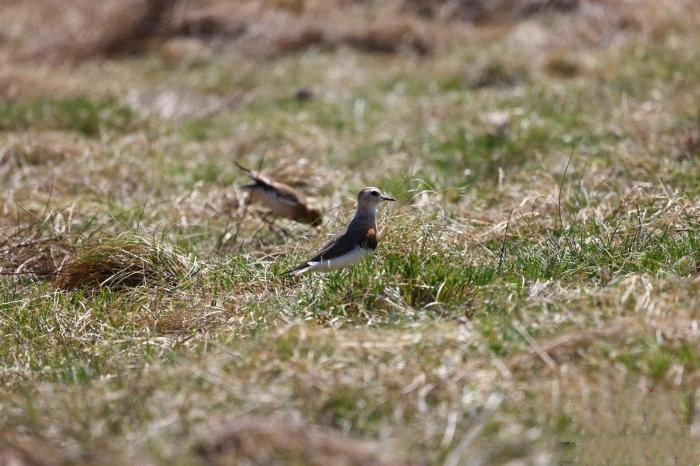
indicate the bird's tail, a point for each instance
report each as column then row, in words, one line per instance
column 250, row 174
column 299, row 269
column 245, row 170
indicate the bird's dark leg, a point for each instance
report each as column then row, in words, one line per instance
column 269, row 220
column 277, row 230
column 265, row 217
column 281, row 231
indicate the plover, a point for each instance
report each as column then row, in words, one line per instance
column 359, row 238
column 281, row 199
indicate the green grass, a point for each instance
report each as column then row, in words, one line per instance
column 501, row 270
column 579, row 256
column 79, row 114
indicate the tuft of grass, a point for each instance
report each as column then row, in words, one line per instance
column 126, row 261
column 440, row 278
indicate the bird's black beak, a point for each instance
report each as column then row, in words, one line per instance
column 388, row 198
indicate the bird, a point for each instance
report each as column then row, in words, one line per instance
column 358, row 240
column 281, row 199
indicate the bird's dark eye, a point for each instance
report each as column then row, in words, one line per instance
column 375, row 193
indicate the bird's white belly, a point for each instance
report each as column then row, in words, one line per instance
column 350, row 258
column 273, row 202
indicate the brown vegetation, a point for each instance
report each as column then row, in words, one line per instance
column 566, row 348
column 266, row 28
column 125, row 262
column 269, row 440
column 26, row 251
column 11, row 455
column 487, row 10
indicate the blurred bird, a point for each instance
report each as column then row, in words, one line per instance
column 281, row 199
column 359, row 238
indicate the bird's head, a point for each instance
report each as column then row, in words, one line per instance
column 370, row 197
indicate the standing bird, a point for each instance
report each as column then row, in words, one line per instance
column 359, row 238
column 281, row 199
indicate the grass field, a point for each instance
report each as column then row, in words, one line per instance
column 545, row 247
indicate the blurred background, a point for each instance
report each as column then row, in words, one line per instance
column 546, row 159
column 453, row 91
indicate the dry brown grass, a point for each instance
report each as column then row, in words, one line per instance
column 391, row 37
column 87, row 30
column 125, row 262
column 11, row 455
column 27, row 251
column 482, row 11
column 264, row 28
column 567, row 348
column 38, row 148
column 268, row 30
column 270, row 440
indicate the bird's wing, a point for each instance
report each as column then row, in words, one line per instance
column 282, row 192
column 355, row 236
column 339, row 245
column 352, row 238
column 287, row 194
